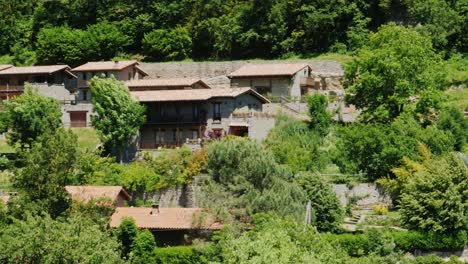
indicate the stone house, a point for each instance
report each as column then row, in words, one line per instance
column 56, row 81
column 179, row 116
column 170, row 226
column 52, row 80
column 80, row 112
column 275, row 80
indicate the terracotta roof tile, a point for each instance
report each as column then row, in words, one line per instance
column 5, row 66
column 46, row 69
column 180, row 82
column 166, row 218
column 271, row 69
column 141, row 70
column 105, row 65
column 87, row 193
column 192, row 94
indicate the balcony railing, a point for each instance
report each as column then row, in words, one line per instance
column 11, row 88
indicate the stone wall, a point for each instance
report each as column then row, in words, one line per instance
column 369, row 193
column 185, row 196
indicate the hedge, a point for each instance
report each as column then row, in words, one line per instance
column 407, row 241
column 412, row 240
column 177, row 255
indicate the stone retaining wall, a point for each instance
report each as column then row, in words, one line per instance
column 369, row 193
column 328, row 74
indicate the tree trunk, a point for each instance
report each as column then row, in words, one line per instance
column 121, row 155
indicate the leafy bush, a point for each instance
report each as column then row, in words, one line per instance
column 163, row 44
column 380, row 209
column 320, row 119
column 40, row 239
column 451, row 119
column 327, row 213
column 373, row 241
column 434, row 199
column 409, row 241
column 177, row 255
column 245, row 175
column 295, row 145
column 376, row 149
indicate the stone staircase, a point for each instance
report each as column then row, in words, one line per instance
column 358, row 215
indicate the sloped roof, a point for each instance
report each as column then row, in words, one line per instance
column 5, row 66
column 87, row 193
column 166, row 218
column 106, row 66
column 270, row 69
column 192, row 94
column 45, row 69
column 141, row 70
column 177, row 82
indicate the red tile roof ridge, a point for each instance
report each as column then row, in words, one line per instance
column 105, row 65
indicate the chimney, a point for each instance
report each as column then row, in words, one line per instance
column 154, row 209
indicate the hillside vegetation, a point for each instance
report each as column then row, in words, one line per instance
column 73, row 32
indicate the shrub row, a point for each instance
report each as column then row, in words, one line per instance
column 177, row 255
column 407, row 241
column 412, row 240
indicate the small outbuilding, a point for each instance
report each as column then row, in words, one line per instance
column 171, row 226
column 116, row 194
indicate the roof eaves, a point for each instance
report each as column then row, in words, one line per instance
column 141, row 70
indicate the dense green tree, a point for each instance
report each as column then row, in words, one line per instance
column 327, row 212
column 434, row 199
column 126, row 234
column 437, row 18
column 60, row 45
column 40, row 239
column 232, row 29
column 244, row 175
column 103, row 41
column 295, row 145
column 452, row 120
column 29, row 116
column 48, row 167
column 375, row 149
column 162, row 44
column 143, row 246
column 275, row 240
column 397, row 66
column 118, row 116
column 320, row 119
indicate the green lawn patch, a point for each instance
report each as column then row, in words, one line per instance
column 458, row 98
column 4, row 147
column 87, row 137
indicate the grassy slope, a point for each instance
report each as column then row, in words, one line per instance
column 87, row 139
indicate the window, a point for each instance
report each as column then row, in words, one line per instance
column 177, row 112
column 85, row 95
column 217, row 111
column 195, row 112
column 39, row 79
column 194, row 133
column 174, row 135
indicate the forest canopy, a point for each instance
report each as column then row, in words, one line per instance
column 62, row 31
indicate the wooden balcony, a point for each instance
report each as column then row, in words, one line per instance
column 82, row 83
column 307, row 82
column 11, row 88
